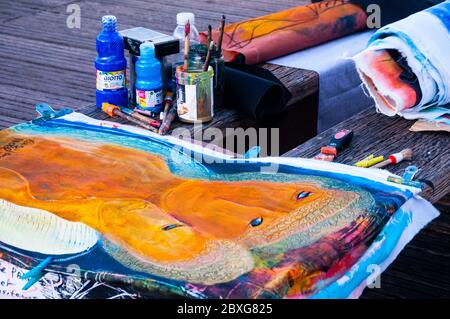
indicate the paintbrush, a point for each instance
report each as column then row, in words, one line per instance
column 187, row 31
column 141, row 117
column 209, row 34
column 113, row 110
column 208, row 57
column 221, row 30
column 406, row 154
column 167, row 122
column 168, row 100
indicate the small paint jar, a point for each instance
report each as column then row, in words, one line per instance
column 195, row 96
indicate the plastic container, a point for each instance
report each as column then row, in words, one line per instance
column 182, row 19
column 111, row 65
column 195, row 97
column 149, row 95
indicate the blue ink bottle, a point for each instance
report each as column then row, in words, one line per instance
column 111, row 65
column 149, row 94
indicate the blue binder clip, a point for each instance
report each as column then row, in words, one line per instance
column 35, row 274
column 410, row 173
column 46, row 112
column 253, row 152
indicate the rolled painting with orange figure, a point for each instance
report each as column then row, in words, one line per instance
column 264, row 38
column 229, row 234
column 406, row 66
column 384, row 80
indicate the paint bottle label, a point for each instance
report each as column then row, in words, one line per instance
column 194, row 102
column 111, row 80
column 149, row 99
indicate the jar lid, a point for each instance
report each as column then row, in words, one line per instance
column 184, row 17
column 147, row 50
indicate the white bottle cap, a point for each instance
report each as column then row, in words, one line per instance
column 184, row 17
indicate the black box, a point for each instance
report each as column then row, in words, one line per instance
column 164, row 44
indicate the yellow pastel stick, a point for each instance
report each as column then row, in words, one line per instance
column 362, row 162
column 370, row 162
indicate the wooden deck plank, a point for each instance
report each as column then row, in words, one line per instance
column 54, row 62
column 10, row 10
column 382, row 135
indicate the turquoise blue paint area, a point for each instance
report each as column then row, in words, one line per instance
column 387, row 200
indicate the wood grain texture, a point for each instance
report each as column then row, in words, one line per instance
column 382, row 135
column 42, row 60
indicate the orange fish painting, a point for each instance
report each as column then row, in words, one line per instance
column 86, row 190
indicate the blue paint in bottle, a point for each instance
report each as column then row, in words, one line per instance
column 149, row 95
column 111, row 65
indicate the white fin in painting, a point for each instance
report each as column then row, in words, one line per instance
column 39, row 231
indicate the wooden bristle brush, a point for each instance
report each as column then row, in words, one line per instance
column 209, row 34
column 187, row 31
column 221, row 30
column 406, row 154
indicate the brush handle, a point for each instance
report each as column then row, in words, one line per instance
column 187, row 31
column 382, row 164
column 222, row 29
column 393, row 159
column 131, row 119
column 167, row 122
column 168, row 101
column 208, row 58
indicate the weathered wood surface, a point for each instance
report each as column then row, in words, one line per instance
column 382, row 135
column 42, row 60
column 293, row 126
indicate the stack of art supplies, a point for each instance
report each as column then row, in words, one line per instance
column 189, row 92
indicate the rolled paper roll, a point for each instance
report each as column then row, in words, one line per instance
column 264, row 38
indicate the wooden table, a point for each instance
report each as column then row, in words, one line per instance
column 296, row 124
column 382, row 135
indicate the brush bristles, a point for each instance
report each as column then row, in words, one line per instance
column 407, row 154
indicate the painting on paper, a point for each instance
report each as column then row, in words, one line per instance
column 134, row 210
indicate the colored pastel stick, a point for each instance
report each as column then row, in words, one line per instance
column 370, row 161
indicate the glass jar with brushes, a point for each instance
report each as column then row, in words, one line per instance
column 197, row 57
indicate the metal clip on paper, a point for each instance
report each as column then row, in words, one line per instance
column 46, row 112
